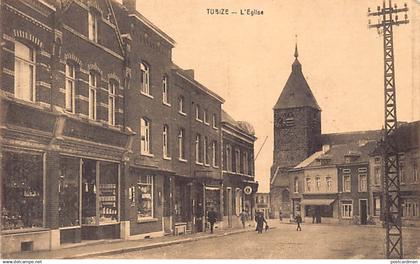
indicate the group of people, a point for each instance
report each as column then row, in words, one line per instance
column 259, row 219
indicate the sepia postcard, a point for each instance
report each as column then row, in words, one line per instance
column 210, row 129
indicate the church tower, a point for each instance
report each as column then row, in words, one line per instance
column 297, row 121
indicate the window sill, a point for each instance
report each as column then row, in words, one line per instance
column 215, row 166
column 207, row 165
column 167, row 158
column 147, row 155
column 147, row 95
column 24, row 230
column 147, row 220
column 166, row 104
column 182, row 160
column 199, row 163
column 215, row 128
column 206, row 123
column 198, row 120
column 182, row 113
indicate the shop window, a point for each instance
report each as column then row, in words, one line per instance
column 346, row 209
column 145, row 78
column 362, row 182
column 89, row 191
column 22, row 190
column 145, row 197
column 346, row 183
column 108, row 192
column 69, row 192
column 24, row 72
column 70, row 87
column 112, row 93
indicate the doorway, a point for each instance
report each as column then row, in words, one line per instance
column 363, row 212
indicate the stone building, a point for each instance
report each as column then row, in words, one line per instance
column 239, row 185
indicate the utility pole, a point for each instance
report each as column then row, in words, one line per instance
column 387, row 18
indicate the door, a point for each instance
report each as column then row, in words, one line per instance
column 363, row 212
column 199, row 211
column 229, row 206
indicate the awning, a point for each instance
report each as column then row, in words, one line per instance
column 317, row 201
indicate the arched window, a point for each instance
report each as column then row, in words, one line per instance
column 94, row 79
column 112, row 93
column 165, row 141
column 145, row 136
column 24, row 72
column 145, row 78
column 70, row 87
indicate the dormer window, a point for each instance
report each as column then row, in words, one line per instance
column 93, row 26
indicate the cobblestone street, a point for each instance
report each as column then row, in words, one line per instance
column 284, row 242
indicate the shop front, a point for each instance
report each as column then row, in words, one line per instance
column 318, row 210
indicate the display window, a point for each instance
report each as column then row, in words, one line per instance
column 108, row 192
column 212, row 200
column 22, row 190
column 145, row 197
column 69, row 192
column 89, row 190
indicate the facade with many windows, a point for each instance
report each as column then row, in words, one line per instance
column 239, row 185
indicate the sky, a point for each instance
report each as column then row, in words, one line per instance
column 247, row 60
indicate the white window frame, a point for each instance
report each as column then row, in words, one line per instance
column 197, row 149
column 145, row 142
column 205, row 151
column 165, row 91
column 93, row 26
column 362, row 188
column 94, row 78
column 318, row 183
column 205, row 117
column 181, row 105
column 214, row 121
column 214, row 153
column 308, row 183
column 410, row 209
column 197, row 113
column 229, row 158
column 344, row 183
column 145, row 78
column 112, row 93
column 346, row 209
column 28, row 63
column 70, row 88
column 181, row 143
column 165, row 141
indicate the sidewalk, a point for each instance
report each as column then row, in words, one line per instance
column 91, row 249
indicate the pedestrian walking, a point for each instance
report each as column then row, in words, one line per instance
column 298, row 220
column 211, row 218
column 244, row 216
column 260, row 220
column 280, row 216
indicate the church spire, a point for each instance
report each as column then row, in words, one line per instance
column 296, row 49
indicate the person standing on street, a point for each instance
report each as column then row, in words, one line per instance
column 298, row 220
column 259, row 218
column 211, row 218
column 244, row 216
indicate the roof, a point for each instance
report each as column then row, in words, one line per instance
column 296, row 92
column 309, row 160
column 243, row 126
column 347, row 137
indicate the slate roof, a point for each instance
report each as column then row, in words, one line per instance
column 296, row 92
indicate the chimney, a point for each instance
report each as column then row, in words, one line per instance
column 130, row 4
column 189, row 73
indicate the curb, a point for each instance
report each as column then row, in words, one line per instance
column 155, row 245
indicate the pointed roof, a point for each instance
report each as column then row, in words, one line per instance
column 296, row 92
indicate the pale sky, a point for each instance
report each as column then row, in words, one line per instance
column 247, row 60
